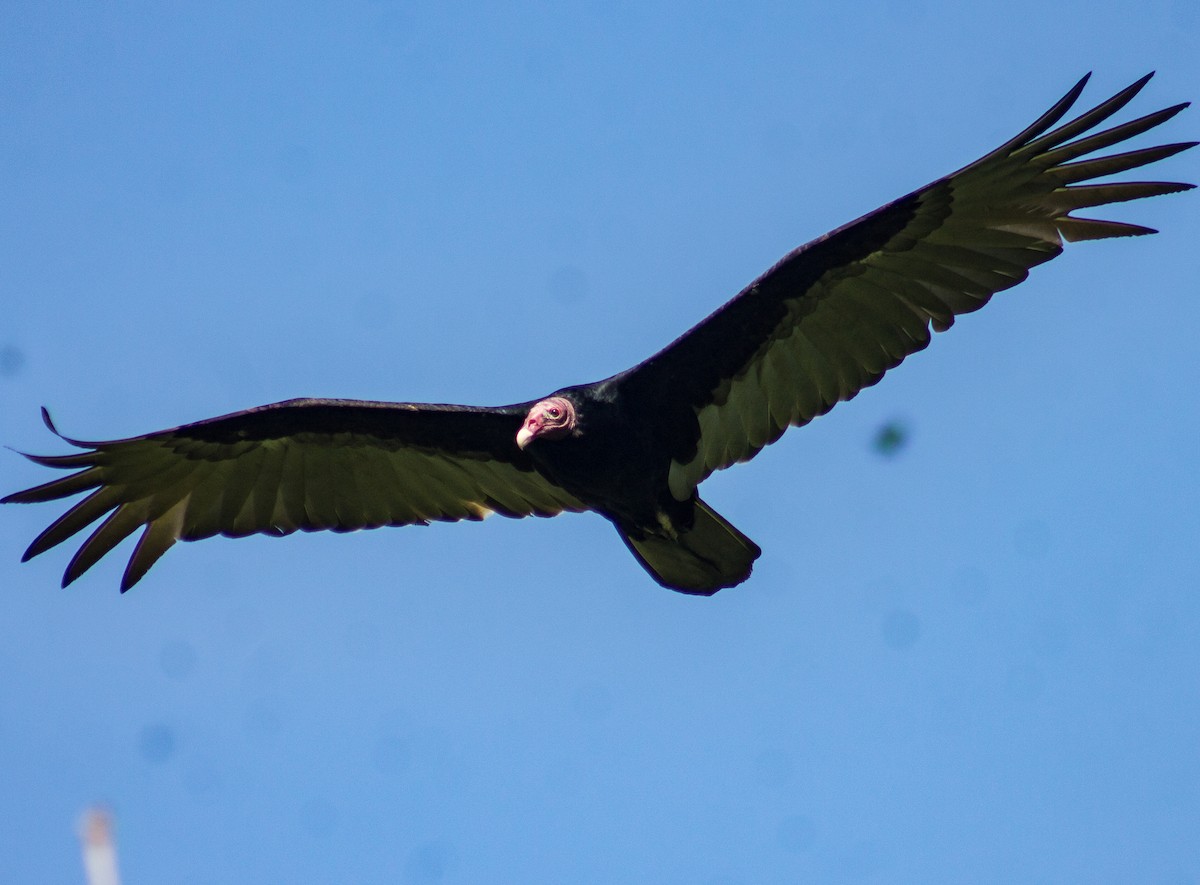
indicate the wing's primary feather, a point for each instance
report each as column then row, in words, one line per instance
column 826, row 321
column 299, row 465
column 834, row 315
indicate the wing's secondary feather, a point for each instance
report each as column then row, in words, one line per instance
column 829, row 319
column 834, row 315
column 302, row 465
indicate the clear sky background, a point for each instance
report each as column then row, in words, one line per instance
column 975, row 659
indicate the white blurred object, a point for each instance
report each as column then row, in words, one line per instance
column 99, row 852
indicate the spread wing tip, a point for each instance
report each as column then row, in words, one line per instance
column 59, row 488
column 49, row 422
column 53, row 428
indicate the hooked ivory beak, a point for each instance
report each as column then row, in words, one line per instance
column 524, row 435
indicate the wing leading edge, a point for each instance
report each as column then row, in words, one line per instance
column 301, row 465
column 835, row 314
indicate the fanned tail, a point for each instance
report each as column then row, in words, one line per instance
column 701, row 560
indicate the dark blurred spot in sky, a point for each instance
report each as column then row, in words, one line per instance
column 157, row 742
column 568, row 284
column 274, row 198
column 12, row 360
column 901, row 628
column 796, row 833
column 890, row 439
column 428, row 862
column 177, row 659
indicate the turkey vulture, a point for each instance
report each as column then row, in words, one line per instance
column 826, row 321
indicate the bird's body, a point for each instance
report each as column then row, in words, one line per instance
column 826, row 321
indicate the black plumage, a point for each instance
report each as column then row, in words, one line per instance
column 826, row 321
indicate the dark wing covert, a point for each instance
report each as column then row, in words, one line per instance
column 301, row 465
column 833, row 315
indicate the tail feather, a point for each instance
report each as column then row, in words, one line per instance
column 703, row 559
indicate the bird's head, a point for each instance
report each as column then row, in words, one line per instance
column 552, row 418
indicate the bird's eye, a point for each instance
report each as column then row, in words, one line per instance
column 553, row 413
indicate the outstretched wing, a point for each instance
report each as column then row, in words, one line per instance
column 302, row 464
column 835, row 314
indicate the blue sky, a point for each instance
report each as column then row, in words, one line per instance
column 974, row 660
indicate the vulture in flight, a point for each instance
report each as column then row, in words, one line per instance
column 826, row 321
